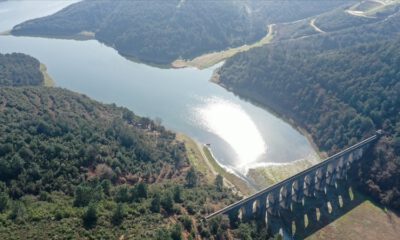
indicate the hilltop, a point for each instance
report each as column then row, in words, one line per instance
column 18, row 69
column 159, row 32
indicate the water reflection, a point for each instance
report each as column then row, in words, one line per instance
column 231, row 123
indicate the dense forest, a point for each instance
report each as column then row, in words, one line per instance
column 18, row 69
column 45, row 127
column 162, row 31
column 340, row 87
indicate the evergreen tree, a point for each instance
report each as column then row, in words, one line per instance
column 18, row 211
column 82, row 196
column 122, row 194
column 162, row 234
column 219, row 182
column 106, row 185
column 177, row 194
column 141, row 190
column 90, row 216
column 176, row 232
column 155, row 203
column 167, row 202
column 3, row 201
column 191, row 178
column 119, row 214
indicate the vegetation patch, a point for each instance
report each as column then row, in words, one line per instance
column 269, row 175
column 48, row 80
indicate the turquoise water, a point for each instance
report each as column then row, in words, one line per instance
column 241, row 134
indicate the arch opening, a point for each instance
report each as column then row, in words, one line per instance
column 351, row 193
column 340, row 199
column 329, row 206
column 306, row 223
column 256, row 206
column 318, row 212
column 241, row 213
column 293, row 228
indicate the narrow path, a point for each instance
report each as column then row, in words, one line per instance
column 227, row 183
column 210, row 59
column 364, row 14
column 379, row 1
column 203, row 155
column 312, row 24
column 358, row 13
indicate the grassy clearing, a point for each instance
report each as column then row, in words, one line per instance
column 5, row 33
column 48, row 81
column 365, row 222
column 201, row 158
column 87, row 35
column 266, row 176
column 196, row 158
column 210, row 59
column 237, row 182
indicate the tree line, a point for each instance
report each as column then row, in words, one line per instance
column 18, row 69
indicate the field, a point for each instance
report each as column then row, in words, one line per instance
column 367, row 222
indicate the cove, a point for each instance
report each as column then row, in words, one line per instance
column 241, row 135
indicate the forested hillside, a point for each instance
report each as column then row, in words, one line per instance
column 73, row 168
column 340, row 87
column 68, row 163
column 163, row 31
column 18, row 69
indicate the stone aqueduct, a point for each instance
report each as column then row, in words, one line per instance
column 323, row 186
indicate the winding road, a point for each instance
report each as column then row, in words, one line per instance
column 312, row 24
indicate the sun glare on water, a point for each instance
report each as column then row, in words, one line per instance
column 231, row 123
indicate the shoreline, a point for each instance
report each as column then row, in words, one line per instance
column 215, row 79
column 5, row 33
column 269, row 175
column 201, row 158
column 48, row 81
column 210, row 59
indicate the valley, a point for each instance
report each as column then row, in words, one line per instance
column 249, row 105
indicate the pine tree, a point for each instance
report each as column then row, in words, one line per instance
column 176, row 232
column 141, row 190
column 118, row 215
column 178, row 194
column 167, row 202
column 191, row 178
column 155, row 203
column 3, row 201
column 90, row 216
column 219, row 182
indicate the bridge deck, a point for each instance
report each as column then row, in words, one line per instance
column 294, row 177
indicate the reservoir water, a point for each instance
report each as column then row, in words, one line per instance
column 241, row 135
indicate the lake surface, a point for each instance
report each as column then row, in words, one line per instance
column 241, row 134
